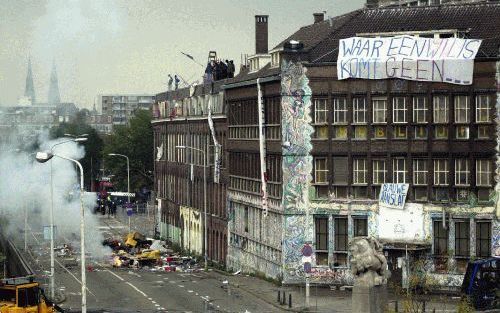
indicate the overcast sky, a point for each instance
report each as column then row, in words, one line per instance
column 112, row 46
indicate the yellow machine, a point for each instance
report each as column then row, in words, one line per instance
column 23, row 295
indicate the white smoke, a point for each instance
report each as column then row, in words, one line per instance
column 25, row 187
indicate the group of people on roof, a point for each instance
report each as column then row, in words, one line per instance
column 218, row 69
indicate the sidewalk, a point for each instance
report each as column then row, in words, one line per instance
column 322, row 298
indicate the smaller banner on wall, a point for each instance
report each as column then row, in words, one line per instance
column 448, row 60
column 393, row 195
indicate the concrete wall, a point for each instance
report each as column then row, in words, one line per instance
column 254, row 244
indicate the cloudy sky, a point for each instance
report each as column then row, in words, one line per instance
column 113, row 46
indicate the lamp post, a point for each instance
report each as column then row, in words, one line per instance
column 204, row 198
column 52, row 257
column 43, row 157
column 128, row 181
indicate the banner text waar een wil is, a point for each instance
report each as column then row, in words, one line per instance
column 449, row 60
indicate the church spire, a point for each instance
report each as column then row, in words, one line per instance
column 54, row 97
column 29, row 90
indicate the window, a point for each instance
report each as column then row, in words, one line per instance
column 379, row 110
column 441, row 132
column 341, row 240
column 379, row 172
column 485, row 195
column 400, row 132
column 440, row 239
column 462, row 237
column 399, row 171
column 321, row 228
column 360, row 227
column 359, row 171
column 483, row 239
column 462, row 109
column 419, row 109
column 340, row 118
column 320, row 171
column 399, row 110
column 340, row 132
column 462, row 172
column 483, row 131
column 462, row 132
column 483, row 109
column 483, row 173
column 380, row 132
column 360, row 132
column 420, row 193
column 441, row 114
column 320, row 111
column 420, row 172
column 321, row 177
column 420, row 132
column 359, row 110
column 440, row 172
column 339, row 111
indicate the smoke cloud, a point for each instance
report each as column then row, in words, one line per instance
column 25, row 189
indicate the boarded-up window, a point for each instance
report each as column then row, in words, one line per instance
column 340, row 170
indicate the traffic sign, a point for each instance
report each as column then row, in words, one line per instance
column 130, row 212
column 307, row 250
column 307, row 261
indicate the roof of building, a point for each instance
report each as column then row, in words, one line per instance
column 477, row 20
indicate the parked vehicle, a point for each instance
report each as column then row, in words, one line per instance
column 482, row 283
column 23, row 295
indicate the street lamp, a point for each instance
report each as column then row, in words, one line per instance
column 52, row 257
column 43, row 157
column 204, row 197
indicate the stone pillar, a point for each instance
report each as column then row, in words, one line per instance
column 369, row 299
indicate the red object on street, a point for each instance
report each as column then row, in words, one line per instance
column 90, row 268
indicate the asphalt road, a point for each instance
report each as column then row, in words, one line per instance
column 143, row 290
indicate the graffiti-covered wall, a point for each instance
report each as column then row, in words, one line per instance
column 495, row 238
column 297, row 167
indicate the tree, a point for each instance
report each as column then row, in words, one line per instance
column 135, row 141
column 93, row 145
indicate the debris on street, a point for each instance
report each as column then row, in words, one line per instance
column 135, row 251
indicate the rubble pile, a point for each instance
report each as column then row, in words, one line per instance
column 137, row 251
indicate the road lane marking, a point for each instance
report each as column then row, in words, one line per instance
column 190, row 291
column 181, row 286
column 115, row 275
column 137, row 289
column 74, row 277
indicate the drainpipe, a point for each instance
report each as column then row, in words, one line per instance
column 262, row 148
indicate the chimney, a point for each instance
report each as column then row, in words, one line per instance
column 261, row 34
column 370, row 4
column 318, row 17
